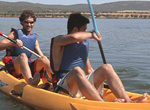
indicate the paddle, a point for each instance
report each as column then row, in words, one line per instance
column 22, row 46
column 96, row 30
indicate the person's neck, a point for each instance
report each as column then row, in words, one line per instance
column 25, row 32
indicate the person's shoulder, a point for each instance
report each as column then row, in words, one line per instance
column 57, row 39
column 35, row 34
column 13, row 33
column 13, row 29
column 59, row 35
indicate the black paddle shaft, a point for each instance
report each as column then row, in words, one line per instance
column 14, row 41
column 102, row 53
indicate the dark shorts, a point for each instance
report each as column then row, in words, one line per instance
column 9, row 64
column 33, row 69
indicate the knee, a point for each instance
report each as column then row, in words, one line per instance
column 43, row 58
column 106, row 67
column 77, row 69
column 78, row 72
column 23, row 56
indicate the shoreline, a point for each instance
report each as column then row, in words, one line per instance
column 67, row 17
column 128, row 14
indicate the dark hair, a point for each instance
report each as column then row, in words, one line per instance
column 76, row 20
column 26, row 14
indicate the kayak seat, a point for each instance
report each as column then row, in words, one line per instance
column 60, row 89
column 46, row 86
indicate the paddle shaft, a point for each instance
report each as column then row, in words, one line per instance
column 14, row 41
column 96, row 30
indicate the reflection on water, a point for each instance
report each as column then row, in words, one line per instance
column 9, row 103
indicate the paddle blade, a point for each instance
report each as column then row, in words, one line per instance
column 1, row 33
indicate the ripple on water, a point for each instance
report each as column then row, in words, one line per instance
column 12, row 104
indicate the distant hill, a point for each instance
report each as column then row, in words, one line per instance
column 106, row 7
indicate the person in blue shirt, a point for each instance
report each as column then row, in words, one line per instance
column 71, row 65
column 18, row 61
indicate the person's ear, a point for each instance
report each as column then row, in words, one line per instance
column 75, row 29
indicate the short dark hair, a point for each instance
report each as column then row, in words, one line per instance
column 26, row 14
column 76, row 20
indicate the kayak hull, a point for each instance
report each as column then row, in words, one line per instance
column 47, row 100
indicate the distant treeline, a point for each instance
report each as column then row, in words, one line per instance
column 128, row 14
column 113, row 10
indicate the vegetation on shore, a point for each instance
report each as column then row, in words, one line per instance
column 128, row 14
column 116, row 10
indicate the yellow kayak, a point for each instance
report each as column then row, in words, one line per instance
column 47, row 100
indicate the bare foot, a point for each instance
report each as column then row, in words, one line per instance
column 142, row 99
column 119, row 100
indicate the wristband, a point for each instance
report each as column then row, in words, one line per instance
column 92, row 34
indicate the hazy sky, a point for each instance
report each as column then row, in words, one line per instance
column 68, row 2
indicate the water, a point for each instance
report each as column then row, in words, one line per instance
column 125, row 43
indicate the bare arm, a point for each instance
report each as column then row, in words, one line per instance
column 5, row 43
column 38, row 49
column 75, row 37
column 61, row 41
column 88, row 68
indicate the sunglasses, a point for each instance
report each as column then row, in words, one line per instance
column 26, row 22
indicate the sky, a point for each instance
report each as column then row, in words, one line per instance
column 69, row 2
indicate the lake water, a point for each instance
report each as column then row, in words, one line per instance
column 126, row 45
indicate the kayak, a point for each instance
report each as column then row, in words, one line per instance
column 47, row 100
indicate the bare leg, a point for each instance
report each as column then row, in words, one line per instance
column 106, row 72
column 43, row 62
column 22, row 67
column 76, row 79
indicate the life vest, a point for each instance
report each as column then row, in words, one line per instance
column 12, row 53
column 74, row 55
column 28, row 41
